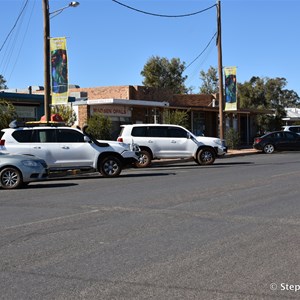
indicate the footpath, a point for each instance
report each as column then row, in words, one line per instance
column 241, row 152
column 230, row 153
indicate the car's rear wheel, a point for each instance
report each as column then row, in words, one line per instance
column 110, row 166
column 144, row 159
column 10, row 178
column 206, row 156
column 269, row 148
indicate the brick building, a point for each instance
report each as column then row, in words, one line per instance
column 139, row 104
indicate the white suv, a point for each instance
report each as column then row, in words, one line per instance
column 171, row 141
column 65, row 148
column 293, row 128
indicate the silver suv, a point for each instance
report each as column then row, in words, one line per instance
column 171, row 141
column 65, row 148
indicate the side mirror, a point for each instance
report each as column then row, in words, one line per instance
column 87, row 139
column 188, row 135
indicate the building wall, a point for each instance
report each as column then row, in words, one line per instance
column 148, row 114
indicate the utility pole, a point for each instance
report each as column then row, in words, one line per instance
column 220, row 67
column 47, row 94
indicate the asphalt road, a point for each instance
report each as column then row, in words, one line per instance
column 227, row 231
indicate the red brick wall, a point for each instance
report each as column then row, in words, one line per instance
column 192, row 100
column 116, row 92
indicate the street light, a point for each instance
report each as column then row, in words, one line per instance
column 46, row 13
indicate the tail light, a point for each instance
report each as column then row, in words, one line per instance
column 2, row 142
column 120, row 139
column 257, row 140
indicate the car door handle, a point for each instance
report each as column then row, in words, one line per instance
column 173, row 142
column 65, row 147
column 150, row 141
column 36, row 147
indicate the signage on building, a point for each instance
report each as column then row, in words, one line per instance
column 26, row 112
column 111, row 110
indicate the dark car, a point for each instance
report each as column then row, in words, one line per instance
column 277, row 141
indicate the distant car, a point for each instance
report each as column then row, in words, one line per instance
column 277, row 141
column 292, row 128
column 158, row 141
column 18, row 170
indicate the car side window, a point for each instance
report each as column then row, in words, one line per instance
column 44, row 136
column 289, row 136
column 157, row 131
column 295, row 129
column 139, row 131
column 177, row 132
column 69, row 136
column 23, row 136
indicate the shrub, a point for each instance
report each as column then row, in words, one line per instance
column 232, row 138
column 99, row 126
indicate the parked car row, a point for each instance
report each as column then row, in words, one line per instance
column 39, row 149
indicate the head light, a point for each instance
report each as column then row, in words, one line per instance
column 30, row 163
column 218, row 142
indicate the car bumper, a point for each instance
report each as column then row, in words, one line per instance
column 221, row 150
column 130, row 157
column 34, row 174
column 258, row 146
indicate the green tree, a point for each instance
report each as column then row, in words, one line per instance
column 210, row 81
column 7, row 113
column 2, row 83
column 267, row 93
column 66, row 112
column 99, row 126
column 159, row 72
column 177, row 117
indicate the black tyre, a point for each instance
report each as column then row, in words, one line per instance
column 206, row 156
column 269, row 148
column 10, row 178
column 110, row 166
column 144, row 159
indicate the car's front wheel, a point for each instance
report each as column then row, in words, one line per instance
column 10, row 178
column 110, row 166
column 269, row 148
column 206, row 156
column 144, row 159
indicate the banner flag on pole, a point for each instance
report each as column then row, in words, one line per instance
column 230, row 88
column 59, row 70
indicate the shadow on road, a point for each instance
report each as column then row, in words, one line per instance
column 49, row 184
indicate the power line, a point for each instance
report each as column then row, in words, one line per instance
column 202, row 51
column 161, row 15
column 20, row 14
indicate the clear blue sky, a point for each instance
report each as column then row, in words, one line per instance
column 109, row 44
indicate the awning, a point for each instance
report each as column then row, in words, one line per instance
column 112, row 101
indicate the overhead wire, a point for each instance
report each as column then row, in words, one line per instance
column 15, row 24
column 176, row 16
column 162, row 15
column 24, row 36
column 201, row 51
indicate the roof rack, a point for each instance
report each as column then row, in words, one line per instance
column 17, row 124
